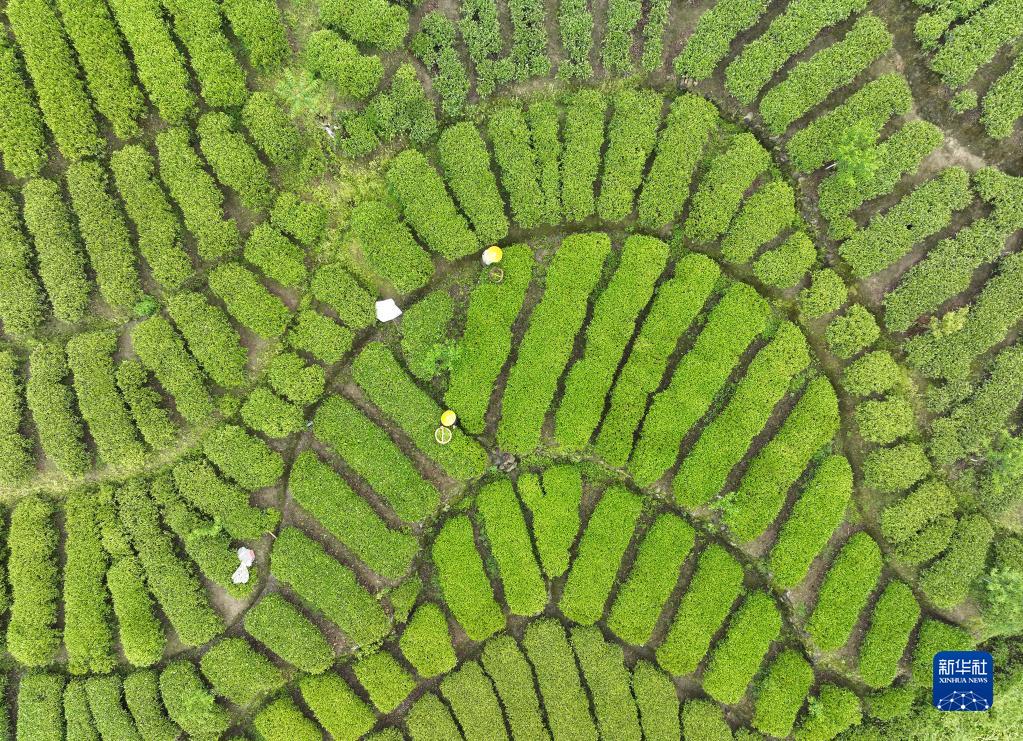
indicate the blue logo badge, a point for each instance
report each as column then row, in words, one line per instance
column 963, row 681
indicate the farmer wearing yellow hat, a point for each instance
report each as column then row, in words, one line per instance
column 492, row 255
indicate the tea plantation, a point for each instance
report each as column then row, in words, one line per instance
column 720, row 303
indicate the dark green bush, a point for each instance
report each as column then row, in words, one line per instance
column 327, row 586
column 162, row 350
column 547, row 344
column 507, row 535
column 385, row 680
column 766, row 214
column 51, row 402
column 257, row 24
column 737, row 657
column 427, row 206
column 33, row 638
column 575, row 22
column 156, row 225
column 39, row 707
column 268, row 124
column 874, row 373
column 463, row 582
column 832, row 711
column 238, row 673
column 303, row 220
column 787, row 264
column 278, row 625
column 140, row 632
column 544, row 118
column 788, row 35
column 851, row 332
column 708, row 598
column 424, row 334
column 50, row 62
column 389, row 247
column 947, row 581
column 282, row 719
column 883, row 422
column 974, row 43
column 657, row 701
column 242, row 457
column 328, row 498
column 337, row 60
column 513, row 679
column 868, row 108
column 289, row 376
column 266, row 412
column 234, row 161
column 704, row 719
column 336, row 287
column 22, row 142
column 395, row 393
column 898, row 155
column 631, row 137
column 676, row 304
column 249, row 301
column 197, row 23
column 1003, row 103
column 736, row 320
column 189, row 703
column 481, row 33
column 198, row 197
column 59, row 257
column 925, row 211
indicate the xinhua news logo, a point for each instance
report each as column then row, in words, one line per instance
column 964, row 681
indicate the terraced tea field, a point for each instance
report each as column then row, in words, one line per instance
column 724, row 445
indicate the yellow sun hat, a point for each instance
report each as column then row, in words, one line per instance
column 492, row 255
column 448, row 418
